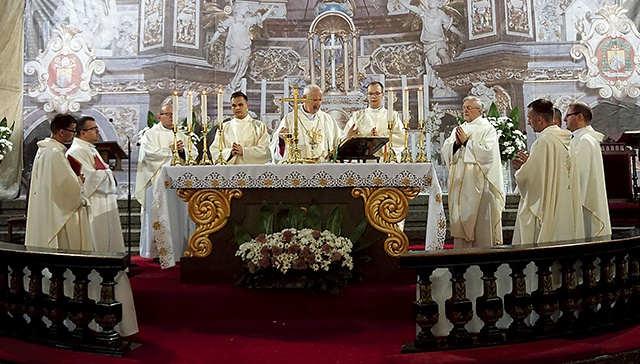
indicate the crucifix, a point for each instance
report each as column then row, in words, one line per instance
column 333, row 47
column 294, row 156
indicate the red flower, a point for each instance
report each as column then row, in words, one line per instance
column 261, row 238
column 264, row 263
column 293, row 248
column 316, row 234
column 311, row 259
column 264, row 251
column 326, row 248
column 287, row 235
column 336, row 256
column 276, row 250
column 305, row 252
column 299, row 264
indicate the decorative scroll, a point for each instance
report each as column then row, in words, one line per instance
column 482, row 18
column 398, row 59
column 64, row 71
column 152, row 24
column 610, row 53
column 384, row 209
column 519, row 17
column 274, row 64
column 185, row 33
column 209, row 209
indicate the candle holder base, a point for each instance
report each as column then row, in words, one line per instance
column 406, row 156
column 421, row 157
column 176, row 160
column 205, row 160
column 391, row 156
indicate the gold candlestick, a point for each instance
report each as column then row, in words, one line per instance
column 175, row 159
column 190, row 160
column 205, row 160
column 220, row 160
column 391, row 154
column 406, row 155
column 421, row 157
column 294, row 156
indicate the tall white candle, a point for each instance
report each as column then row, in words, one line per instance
column 219, row 106
column 203, row 110
column 390, row 105
column 405, row 104
column 175, row 111
column 189, row 111
column 420, row 105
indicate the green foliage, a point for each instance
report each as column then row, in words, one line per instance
column 313, row 219
column 240, row 234
column 356, row 234
column 334, row 222
column 266, row 218
column 493, row 111
column 151, row 119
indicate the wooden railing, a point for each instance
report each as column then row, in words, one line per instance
column 22, row 311
column 598, row 289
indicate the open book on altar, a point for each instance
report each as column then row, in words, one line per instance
column 361, row 148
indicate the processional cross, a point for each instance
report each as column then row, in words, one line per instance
column 294, row 151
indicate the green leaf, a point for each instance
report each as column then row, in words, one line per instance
column 267, row 217
column 296, row 217
column 314, row 217
column 356, row 234
column 240, row 234
column 515, row 116
column 459, row 120
column 151, row 119
column 282, row 216
column 3, row 122
column 334, row 222
column 493, row 111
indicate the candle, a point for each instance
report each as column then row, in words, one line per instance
column 203, row 110
column 189, row 111
column 405, row 104
column 390, row 105
column 175, row 111
column 420, row 105
column 219, row 107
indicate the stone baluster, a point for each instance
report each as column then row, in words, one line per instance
column 590, row 292
column 489, row 306
column 624, row 289
column 108, row 311
column 608, row 288
column 458, row 309
column 56, row 304
column 425, row 312
column 569, row 296
column 16, row 299
column 81, row 306
column 518, row 303
column 35, row 300
column 545, row 300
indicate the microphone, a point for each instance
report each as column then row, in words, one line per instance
column 111, row 120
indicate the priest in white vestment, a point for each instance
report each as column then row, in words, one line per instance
column 374, row 121
column 156, row 147
column 589, row 170
column 245, row 140
column 100, row 189
column 476, row 194
column 57, row 212
column 549, row 207
column 318, row 132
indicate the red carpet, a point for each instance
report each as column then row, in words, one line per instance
column 222, row 324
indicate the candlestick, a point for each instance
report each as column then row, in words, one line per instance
column 189, row 111
column 420, row 105
column 220, row 111
column 390, row 104
column 175, row 111
column 205, row 121
column 405, row 104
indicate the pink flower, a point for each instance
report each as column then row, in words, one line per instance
column 305, row 252
column 276, row 250
column 287, row 235
column 299, row 264
column 336, row 256
column 264, row 251
column 261, row 238
column 326, row 248
column 293, row 248
column 316, row 234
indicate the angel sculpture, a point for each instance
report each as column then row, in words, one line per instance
column 438, row 19
column 237, row 23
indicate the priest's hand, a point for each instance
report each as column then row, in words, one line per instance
column 282, row 132
column 180, row 145
column 236, row 149
column 519, row 160
column 353, row 131
column 374, row 131
column 461, row 136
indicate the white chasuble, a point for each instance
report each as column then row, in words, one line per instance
column 476, row 195
column 57, row 213
column 368, row 119
column 251, row 134
column 156, row 151
column 318, row 136
column 549, row 207
column 588, row 169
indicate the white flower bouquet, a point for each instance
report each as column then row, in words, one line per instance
column 321, row 261
column 5, row 144
column 510, row 138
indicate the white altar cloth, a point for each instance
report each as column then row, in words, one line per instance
column 327, row 175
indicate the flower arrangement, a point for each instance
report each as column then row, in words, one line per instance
column 296, row 252
column 5, row 133
column 510, row 138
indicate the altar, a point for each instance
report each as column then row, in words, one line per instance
column 214, row 193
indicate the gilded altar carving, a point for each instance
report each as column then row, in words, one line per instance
column 398, row 59
column 610, row 54
column 384, row 208
column 209, row 209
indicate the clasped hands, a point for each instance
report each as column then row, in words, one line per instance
column 461, row 136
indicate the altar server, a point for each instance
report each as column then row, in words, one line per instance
column 318, row 132
column 549, row 207
column 589, row 170
column 155, row 151
column 57, row 212
column 245, row 140
column 106, row 231
column 476, row 194
column 374, row 121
